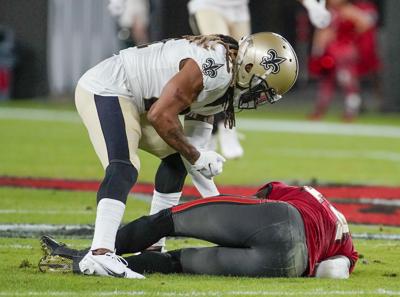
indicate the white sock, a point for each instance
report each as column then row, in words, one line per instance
column 108, row 218
column 352, row 103
column 162, row 201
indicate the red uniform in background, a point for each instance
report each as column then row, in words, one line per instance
column 366, row 42
column 327, row 233
column 342, row 53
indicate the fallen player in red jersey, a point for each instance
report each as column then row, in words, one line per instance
column 281, row 231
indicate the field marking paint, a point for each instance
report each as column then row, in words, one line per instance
column 147, row 198
column 83, row 230
column 318, row 292
column 43, row 227
column 29, row 247
column 375, row 236
column 391, row 156
column 265, row 125
column 372, row 201
column 46, row 212
column 16, row 246
column 308, row 127
column 45, row 115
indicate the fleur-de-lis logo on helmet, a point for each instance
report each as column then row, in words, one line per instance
column 272, row 61
column 210, row 67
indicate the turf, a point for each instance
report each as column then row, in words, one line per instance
column 56, row 207
column 376, row 274
column 63, row 150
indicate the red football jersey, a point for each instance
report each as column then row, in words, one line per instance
column 327, row 232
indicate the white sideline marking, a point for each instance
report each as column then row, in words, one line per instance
column 308, row 127
column 318, row 292
column 50, row 228
column 305, row 127
column 378, row 201
column 391, row 156
column 16, row 246
column 373, row 201
column 42, row 227
column 45, row 212
column 28, row 246
column 39, row 115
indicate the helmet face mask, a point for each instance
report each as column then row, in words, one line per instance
column 258, row 93
column 267, row 68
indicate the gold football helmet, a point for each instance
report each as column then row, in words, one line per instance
column 267, row 67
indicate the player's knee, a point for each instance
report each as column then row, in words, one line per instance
column 118, row 181
column 170, row 175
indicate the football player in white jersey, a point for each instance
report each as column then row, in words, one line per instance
column 212, row 17
column 228, row 17
column 133, row 100
column 232, row 17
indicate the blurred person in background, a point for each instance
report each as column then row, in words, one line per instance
column 232, row 17
column 7, row 61
column 133, row 20
column 342, row 52
column 369, row 62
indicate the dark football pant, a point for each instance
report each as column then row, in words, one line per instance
column 253, row 237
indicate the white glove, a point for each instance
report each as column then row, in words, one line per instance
column 209, row 164
column 334, row 267
column 198, row 134
column 319, row 16
column 116, row 7
column 205, row 186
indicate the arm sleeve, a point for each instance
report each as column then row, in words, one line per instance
column 336, row 267
column 198, row 134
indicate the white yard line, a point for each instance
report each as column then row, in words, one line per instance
column 29, row 247
column 308, row 127
column 16, row 246
column 86, row 229
column 390, row 156
column 46, row 212
column 31, row 114
column 317, row 292
column 266, row 125
column 42, row 227
column 373, row 201
column 378, row 201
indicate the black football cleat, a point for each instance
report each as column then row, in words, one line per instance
column 58, row 257
column 57, row 264
column 50, row 246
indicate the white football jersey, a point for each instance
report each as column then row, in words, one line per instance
column 140, row 73
column 232, row 10
column 218, row 2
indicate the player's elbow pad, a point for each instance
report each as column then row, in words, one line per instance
column 335, row 267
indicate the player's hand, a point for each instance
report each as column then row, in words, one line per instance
column 209, row 164
column 319, row 16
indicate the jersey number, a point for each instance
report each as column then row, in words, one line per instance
column 341, row 224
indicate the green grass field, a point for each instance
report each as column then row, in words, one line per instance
column 45, row 148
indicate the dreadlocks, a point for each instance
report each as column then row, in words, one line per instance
column 231, row 46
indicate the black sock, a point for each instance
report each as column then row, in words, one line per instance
column 155, row 262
